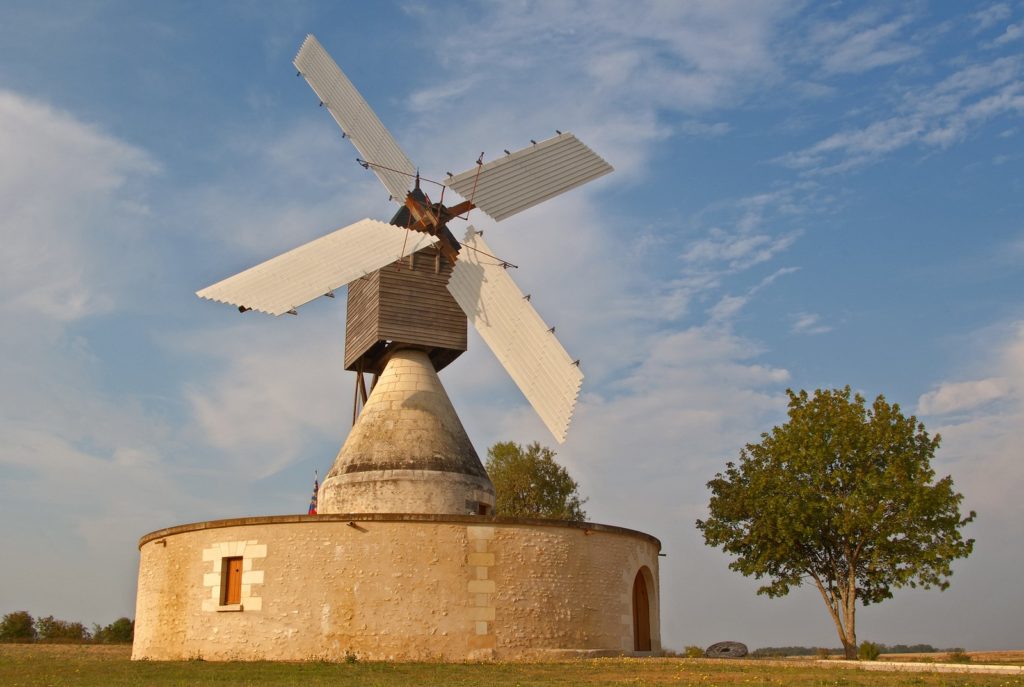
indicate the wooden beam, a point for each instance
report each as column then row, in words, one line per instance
column 360, row 397
column 422, row 214
column 456, row 210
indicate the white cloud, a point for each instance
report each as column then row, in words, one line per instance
column 279, row 387
column 952, row 397
column 84, row 466
column 980, row 423
column 68, row 197
column 808, row 323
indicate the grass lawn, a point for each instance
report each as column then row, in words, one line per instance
column 57, row 665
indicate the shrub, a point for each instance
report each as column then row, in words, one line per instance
column 868, row 651
column 693, row 652
column 958, row 656
column 822, row 653
column 909, row 649
column 18, row 626
column 781, row 651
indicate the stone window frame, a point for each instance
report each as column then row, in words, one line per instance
column 251, row 552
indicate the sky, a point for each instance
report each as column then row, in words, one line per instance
column 805, row 195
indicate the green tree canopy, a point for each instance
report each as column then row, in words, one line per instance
column 841, row 495
column 18, row 626
column 55, row 630
column 530, row 484
column 121, row 631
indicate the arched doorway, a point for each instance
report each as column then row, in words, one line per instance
column 641, row 614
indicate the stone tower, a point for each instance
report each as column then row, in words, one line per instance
column 407, row 451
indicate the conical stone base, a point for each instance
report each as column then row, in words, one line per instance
column 408, row 451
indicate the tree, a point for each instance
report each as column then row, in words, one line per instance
column 18, row 626
column 55, row 630
column 843, row 496
column 121, row 631
column 531, row 484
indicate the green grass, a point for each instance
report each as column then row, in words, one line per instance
column 23, row 665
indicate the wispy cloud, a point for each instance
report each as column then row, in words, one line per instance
column 934, row 116
column 991, row 15
column 591, row 68
column 860, row 43
column 1013, row 32
column 808, row 323
column 731, row 238
column 430, row 98
column 737, row 250
column 730, row 305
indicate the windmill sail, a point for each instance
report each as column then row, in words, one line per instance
column 520, row 339
column 317, row 268
column 355, row 117
column 522, row 179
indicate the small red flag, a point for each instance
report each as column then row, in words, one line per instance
column 316, row 488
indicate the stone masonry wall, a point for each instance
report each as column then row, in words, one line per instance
column 391, row 588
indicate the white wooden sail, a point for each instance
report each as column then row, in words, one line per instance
column 522, row 179
column 355, row 117
column 524, row 344
column 316, row 268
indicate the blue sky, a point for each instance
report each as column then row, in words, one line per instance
column 806, row 195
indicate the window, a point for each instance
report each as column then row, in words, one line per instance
column 231, row 581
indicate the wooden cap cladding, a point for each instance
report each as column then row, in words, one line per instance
column 406, row 303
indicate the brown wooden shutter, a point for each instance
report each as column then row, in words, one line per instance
column 232, row 568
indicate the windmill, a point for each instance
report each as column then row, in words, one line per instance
column 412, row 287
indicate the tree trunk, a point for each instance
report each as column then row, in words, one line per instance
column 847, row 632
column 843, row 611
column 849, row 616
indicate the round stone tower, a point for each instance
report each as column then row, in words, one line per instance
column 408, row 451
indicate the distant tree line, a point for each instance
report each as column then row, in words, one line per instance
column 20, row 626
column 775, row 651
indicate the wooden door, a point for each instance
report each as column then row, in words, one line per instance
column 232, row 581
column 641, row 614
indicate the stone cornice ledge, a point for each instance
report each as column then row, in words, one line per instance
column 392, row 517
